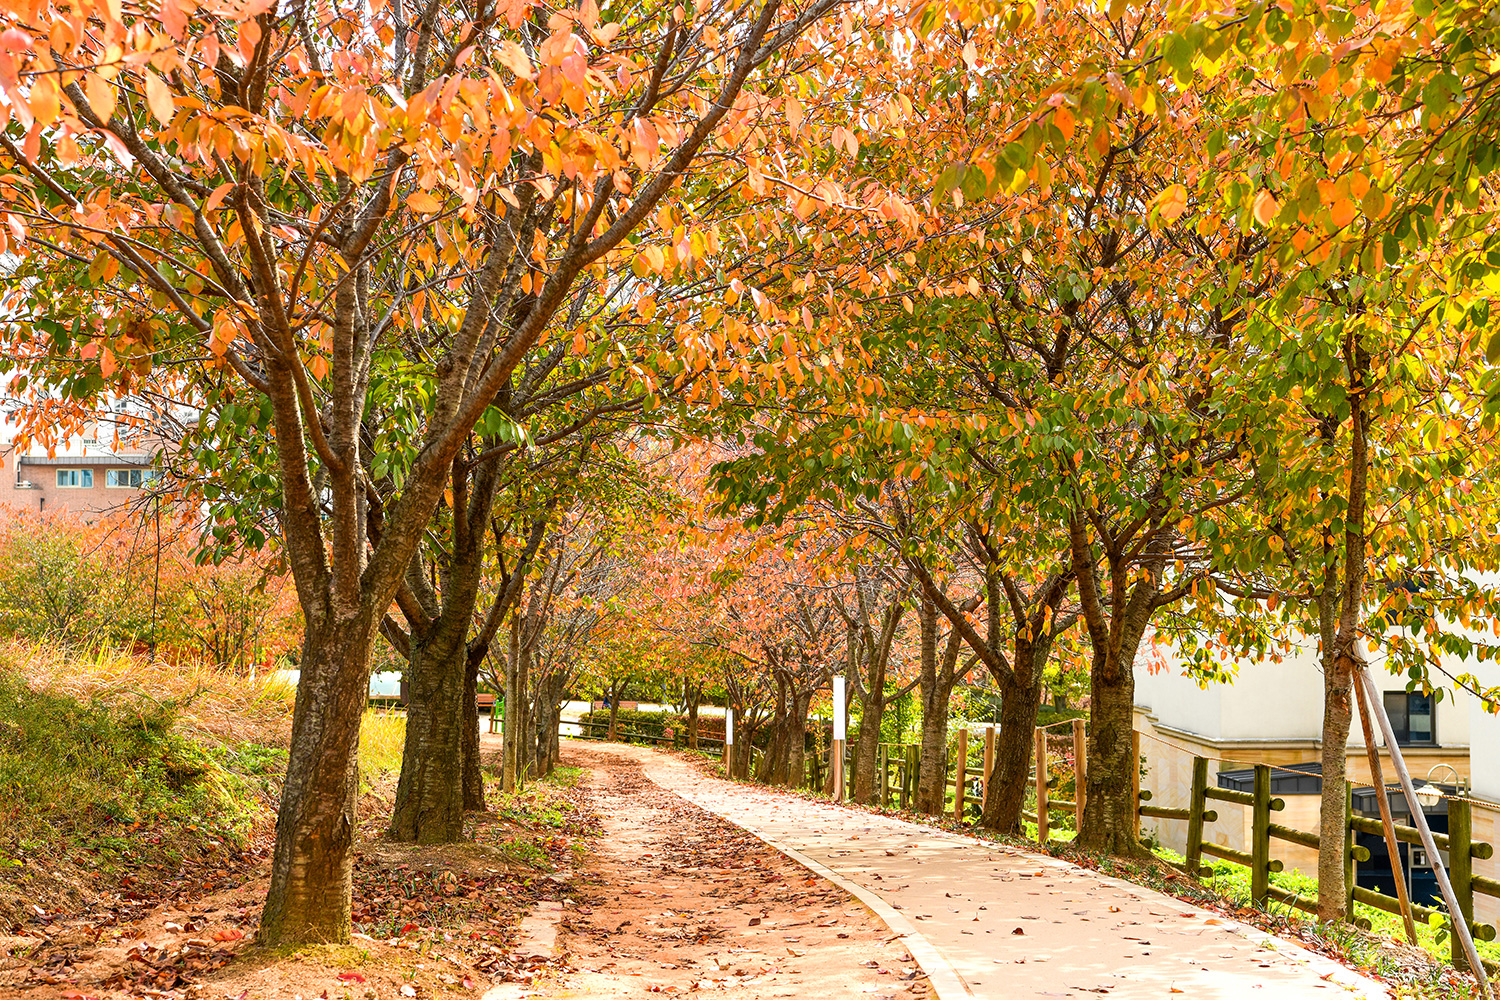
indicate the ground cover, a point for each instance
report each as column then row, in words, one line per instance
column 136, row 818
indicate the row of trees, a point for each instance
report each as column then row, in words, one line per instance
column 1063, row 329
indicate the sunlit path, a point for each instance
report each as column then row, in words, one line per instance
column 1010, row 923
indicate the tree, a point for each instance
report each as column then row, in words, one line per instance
column 295, row 197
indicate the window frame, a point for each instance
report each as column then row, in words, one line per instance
column 84, row 477
column 1403, row 731
column 129, row 474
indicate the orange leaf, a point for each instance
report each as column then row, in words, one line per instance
column 158, row 98
column 514, row 58
column 1342, row 212
column 44, row 100
column 421, row 201
column 1266, row 207
column 101, row 95
column 1172, row 202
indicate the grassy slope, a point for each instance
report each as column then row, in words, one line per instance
column 117, row 771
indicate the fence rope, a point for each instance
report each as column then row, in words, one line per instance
column 1453, row 796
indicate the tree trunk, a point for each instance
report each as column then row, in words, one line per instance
column 1337, row 716
column 796, row 743
column 1342, row 657
column 473, row 773
column 311, row 876
column 510, row 726
column 1109, row 812
column 694, row 695
column 429, row 805
column 932, row 775
column 613, row 694
column 867, row 746
column 1006, row 792
column 937, row 687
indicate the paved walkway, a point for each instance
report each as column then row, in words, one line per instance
column 997, row 922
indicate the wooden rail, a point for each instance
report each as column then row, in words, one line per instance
column 1458, row 842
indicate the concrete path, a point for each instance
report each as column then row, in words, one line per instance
column 996, row 922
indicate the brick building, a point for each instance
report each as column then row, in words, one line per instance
column 90, row 482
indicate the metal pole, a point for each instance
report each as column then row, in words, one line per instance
column 1419, row 820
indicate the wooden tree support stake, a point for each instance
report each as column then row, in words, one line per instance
column 1387, row 824
column 989, row 763
column 959, row 775
column 1041, row 786
column 1080, row 777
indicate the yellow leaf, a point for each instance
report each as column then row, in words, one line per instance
column 159, row 98
column 1172, row 202
column 1266, row 207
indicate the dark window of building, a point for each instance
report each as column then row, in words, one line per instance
column 1412, row 717
column 75, row 478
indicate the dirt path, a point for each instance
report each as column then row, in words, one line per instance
column 993, row 921
column 677, row 900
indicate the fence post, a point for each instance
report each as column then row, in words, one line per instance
column 1198, row 802
column 1460, row 871
column 1349, row 871
column 908, row 775
column 1080, row 777
column 960, row 775
column 989, row 762
column 1135, row 784
column 1260, row 837
column 1041, row 786
column 885, row 776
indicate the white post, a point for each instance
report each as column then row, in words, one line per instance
column 728, row 740
column 840, row 727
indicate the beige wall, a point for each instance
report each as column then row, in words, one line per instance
column 1487, row 829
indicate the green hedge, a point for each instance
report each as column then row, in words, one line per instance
column 631, row 723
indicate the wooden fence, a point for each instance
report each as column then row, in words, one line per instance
column 1457, row 842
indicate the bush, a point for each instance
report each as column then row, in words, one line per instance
column 113, row 583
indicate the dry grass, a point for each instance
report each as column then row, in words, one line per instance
column 225, row 708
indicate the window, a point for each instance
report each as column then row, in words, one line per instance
column 75, row 478
column 135, row 478
column 1411, row 715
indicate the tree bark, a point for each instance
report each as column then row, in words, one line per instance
column 429, row 806
column 311, row 876
column 695, row 695
column 1116, row 627
column 1005, row 794
column 1343, row 659
column 937, row 691
column 473, row 770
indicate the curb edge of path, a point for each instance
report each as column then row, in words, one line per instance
column 945, row 981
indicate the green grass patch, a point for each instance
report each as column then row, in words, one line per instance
column 1233, row 882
